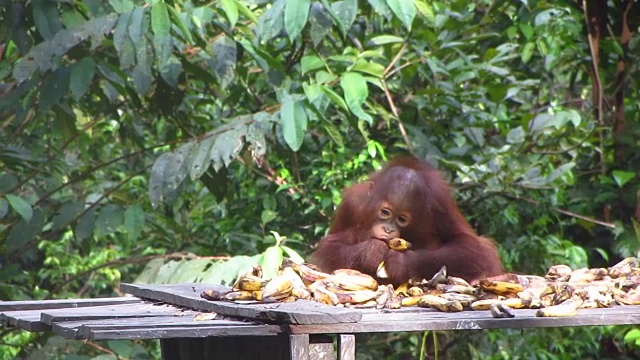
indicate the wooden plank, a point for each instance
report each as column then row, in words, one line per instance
column 64, row 303
column 185, row 322
column 107, row 312
column 299, row 346
column 26, row 320
column 298, row 312
column 346, row 347
column 179, row 332
column 473, row 320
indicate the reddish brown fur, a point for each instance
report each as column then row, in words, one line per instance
column 440, row 235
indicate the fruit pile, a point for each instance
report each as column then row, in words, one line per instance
column 560, row 293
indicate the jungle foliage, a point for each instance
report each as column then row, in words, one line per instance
column 181, row 140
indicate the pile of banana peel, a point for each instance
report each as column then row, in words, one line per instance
column 560, row 293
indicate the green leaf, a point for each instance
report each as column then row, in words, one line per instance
column 311, row 62
column 81, row 77
column 623, row 177
column 335, row 98
column 293, row 119
column 527, row 52
column 134, row 221
column 356, row 92
column 228, row 146
column 4, row 208
column 20, row 206
column 370, row 68
column 426, row 9
column 272, row 21
column 246, row 12
column 224, row 63
column 46, row 18
column 292, row 254
column 344, row 13
column 66, row 215
column 405, row 10
column 201, row 158
column 385, row 39
column 271, row 261
column 177, row 20
column 231, row 10
column 516, row 135
column 267, row 216
column 161, row 25
column 296, row 14
column 86, row 223
column 334, row 133
column 54, row 88
column 122, row 6
column 156, row 180
column 632, row 336
column 109, row 219
column 381, row 7
column 122, row 42
column 320, row 23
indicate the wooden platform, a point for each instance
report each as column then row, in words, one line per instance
column 279, row 330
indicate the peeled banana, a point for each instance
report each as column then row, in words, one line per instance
column 398, row 244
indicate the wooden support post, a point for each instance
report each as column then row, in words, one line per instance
column 299, row 346
column 346, row 347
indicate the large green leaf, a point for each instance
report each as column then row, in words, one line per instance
column 296, row 14
column 134, row 221
column 46, row 18
column 356, row 92
column 293, row 119
column 20, row 206
column 82, row 74
column 230, row 8
column 405, row 10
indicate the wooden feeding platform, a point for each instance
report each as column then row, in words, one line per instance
column 177, row 315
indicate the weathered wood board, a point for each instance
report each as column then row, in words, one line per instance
column 418, row 319
column 297, row 312
column 64, row 303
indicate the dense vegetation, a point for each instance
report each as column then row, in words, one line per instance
column 156, row 140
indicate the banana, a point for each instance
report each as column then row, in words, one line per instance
column 353, row 280
column 249, row 282
column 500, row 310
column 460, row 289
column 214, row 294
column 415, row 291
column 439, row 303
column 381, row 272
column 402, row 290
column 301, row 293
column 410, row 301
column 308, row 273
column 355, row 297
column 501, row 287
column 366, row 305
column 279, row 287
column 398, row 244
column 256, row 295
column 567, row 308
column 322, row 295
column 238, row 295
column 464, row 299
column 452, row 280
column 514, row 303
column 484, row 304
